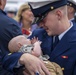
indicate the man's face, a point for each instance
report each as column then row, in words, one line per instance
column 3, row 3
column 51, row 23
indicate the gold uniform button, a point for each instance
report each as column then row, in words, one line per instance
column 70, row 4
column 52, row 7
column 62, row 68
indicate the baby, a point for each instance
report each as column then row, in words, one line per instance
column 22, row 44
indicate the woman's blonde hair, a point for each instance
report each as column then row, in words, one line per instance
column 19, row 13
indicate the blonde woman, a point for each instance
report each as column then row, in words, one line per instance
column 25, row 18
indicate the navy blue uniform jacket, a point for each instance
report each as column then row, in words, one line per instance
column 74, row 22
column 8, row 29
column 65, row 52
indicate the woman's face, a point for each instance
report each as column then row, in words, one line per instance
column 28, row 15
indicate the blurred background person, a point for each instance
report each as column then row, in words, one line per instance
column 25, row 19
column 11, row 12
column 71, row 10
column 75, row 17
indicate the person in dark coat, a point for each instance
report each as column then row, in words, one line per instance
column 9, row 28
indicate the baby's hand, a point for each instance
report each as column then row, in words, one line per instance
column 34, row 40
column 37, row 49
column 37, row 43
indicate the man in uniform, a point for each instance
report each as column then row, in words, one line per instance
column 71, row 10
column 9, row 29
column 53, row 13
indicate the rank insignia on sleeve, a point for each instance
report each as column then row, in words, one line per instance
column 64, row 57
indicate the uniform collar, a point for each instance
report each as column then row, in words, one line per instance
column 62, row 34
column 2, row 11
column 72, row 19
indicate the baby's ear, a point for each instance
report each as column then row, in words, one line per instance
column 19, row 44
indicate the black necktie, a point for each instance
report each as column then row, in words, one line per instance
column 55, row 42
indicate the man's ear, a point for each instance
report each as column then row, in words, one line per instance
column 72, row 9
column 19, row 44
column 59, row 14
